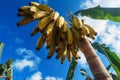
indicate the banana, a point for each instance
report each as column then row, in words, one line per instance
column 59, row 22
column 35, row 31
column 61, row 48
column 23, row 8
column 50, row 28
column 91, row 30
column 43, row 22
column 77, row 23
column 85, row 31
column 65, row 27
column 39, row 15
column 51, row 51
column 69, row 38
column 45, row 8
column 54, row 16
column 40, row 42
column 63, row 57
column 75, row 53
column 69, row 55
column 24, row 21
column 34, row 4
column 50, row 40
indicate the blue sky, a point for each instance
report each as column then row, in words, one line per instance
column 20, row 46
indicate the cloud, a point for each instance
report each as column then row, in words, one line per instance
column 53, row 78
column 82, row 61
column 29, row 59
column 38, row 76
column 102, row 3
column 21, row 64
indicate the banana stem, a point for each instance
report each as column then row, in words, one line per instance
column 95, row 64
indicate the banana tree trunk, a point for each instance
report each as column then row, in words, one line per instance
column 95, row 64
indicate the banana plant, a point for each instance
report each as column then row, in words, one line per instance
column 65, row 40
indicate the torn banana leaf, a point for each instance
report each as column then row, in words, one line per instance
column 101, row 13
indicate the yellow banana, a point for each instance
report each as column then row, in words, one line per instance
column 51, row 51
column 50, row 28
column 43, row 22
column 69, row 55
column 35, row 31
column 63, row 57
column 50, row 40
column 40, row 42
column 24, row 21
column 75, row 53
column 65, row 27
column 39, row 15
column 59, row 22
column 85, row 31
column 45, row 8
column 34, row 4
column 69, row 37
column 54, row 16
column 77, row 23
column 23, row 8
column 91, row 30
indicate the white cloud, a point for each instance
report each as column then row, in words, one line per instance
column 53, row 78
column 102, row 3
column 82, row 61
column 21, row 64
column 29, row 59
column 36, row 76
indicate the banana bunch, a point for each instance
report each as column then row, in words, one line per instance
column 54, row 30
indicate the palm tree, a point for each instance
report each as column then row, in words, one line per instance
column 63, row 37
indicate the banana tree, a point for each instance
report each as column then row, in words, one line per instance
column 65, row 41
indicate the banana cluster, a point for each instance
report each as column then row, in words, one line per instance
column 54, row 30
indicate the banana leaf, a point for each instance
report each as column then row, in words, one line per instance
column 101, row 13
column 2, row 69
column 8, row 72
column 111, row 56
column 71, row 70
column 1, row 48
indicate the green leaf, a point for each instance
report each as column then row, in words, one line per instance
column 101, row 13
column 1, row 48
column 2, row 69
column 71, row 70
column 83, row 72
column 111, row 56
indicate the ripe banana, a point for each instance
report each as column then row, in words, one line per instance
column 39, row 15
column 69, row 37
column 51, row 51
column 23, row 8
column 43, row 22
column 50, row 40
column 63, row 57
column 35, row 31
column 34, row 4
column 45, row 8
column 85, row 31
column 50, row 28
column 77, row 23
column 40, row 42
column 24, row 21
column 54, row 16
column 91, row 30
column 65, row 27
column 69, row 55
column 59, row 22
